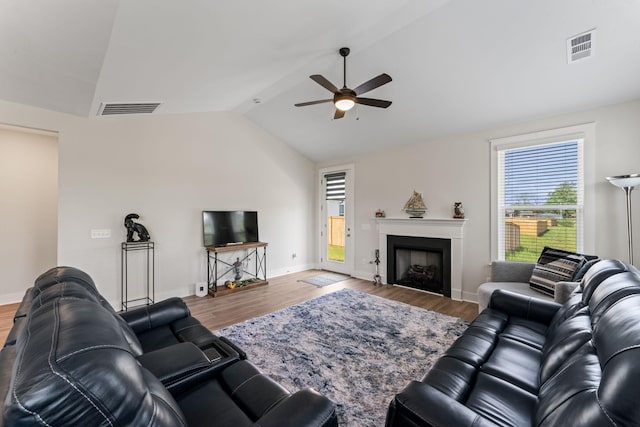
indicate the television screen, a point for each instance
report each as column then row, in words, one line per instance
column 221, row 228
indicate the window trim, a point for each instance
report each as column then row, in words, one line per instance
column 586, row 132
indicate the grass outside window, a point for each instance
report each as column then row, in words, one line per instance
column 336, row 253
column 561, row 236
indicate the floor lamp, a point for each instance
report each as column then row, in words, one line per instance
column 627, row 182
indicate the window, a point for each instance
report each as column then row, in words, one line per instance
column 538, row 194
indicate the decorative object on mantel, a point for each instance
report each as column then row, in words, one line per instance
column 627, row 183
column 415, row 206
column 380, row 213
column 134, row 227
column 458, row 210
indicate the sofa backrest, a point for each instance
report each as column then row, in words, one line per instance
column 71, row 283
column 74, row 366
column 590, row 370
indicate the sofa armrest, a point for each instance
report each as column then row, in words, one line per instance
column 420, row 404
column 511, row 271
column 175, row 362
column 514, row 304
column 305, row 408
column 162, row 313
column 564, row 290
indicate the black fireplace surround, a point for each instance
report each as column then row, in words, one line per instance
column 429, row 244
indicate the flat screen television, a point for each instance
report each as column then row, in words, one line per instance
column 223, row 228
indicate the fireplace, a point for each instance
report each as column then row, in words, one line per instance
column 432, row 228
column 420, row 262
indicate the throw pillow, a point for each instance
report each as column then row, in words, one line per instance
column 553, row 266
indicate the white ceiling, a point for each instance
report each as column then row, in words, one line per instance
column 457, row 65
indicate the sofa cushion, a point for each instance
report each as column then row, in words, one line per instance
column 563, row 340
column 514, row 362
column 501, row 402
column 553, row 266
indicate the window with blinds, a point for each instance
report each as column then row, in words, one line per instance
column 335, row 186
column 540, row 194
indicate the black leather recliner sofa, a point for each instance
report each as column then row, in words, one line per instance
column 529, row 362
column 71, row 360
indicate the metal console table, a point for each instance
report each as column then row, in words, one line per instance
column 252, row 249
column 148, row 298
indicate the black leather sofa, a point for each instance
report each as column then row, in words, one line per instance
column 71, row 360
column 530, row 362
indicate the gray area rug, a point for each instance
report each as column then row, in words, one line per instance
column 357, row 349
column 325, row 279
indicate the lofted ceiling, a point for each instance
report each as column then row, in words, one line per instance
column 457, row 65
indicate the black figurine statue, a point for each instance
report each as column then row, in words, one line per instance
column 134, row 227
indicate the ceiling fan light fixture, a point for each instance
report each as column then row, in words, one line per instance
column 344, row 103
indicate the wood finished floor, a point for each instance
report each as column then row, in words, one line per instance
column 285, row 291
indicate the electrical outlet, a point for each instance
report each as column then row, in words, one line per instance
column 101, row 233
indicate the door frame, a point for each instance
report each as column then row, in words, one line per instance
column 349, row 209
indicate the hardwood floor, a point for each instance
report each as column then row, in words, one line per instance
column 285, row 291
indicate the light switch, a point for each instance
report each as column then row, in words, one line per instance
column 101, row 233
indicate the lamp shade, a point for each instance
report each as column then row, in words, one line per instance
column 623, row 181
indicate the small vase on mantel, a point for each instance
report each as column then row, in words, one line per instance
column 415, row 206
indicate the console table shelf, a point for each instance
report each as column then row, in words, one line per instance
column 149, row 291
column 259, row 273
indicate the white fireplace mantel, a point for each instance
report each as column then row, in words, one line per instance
column 439, row 228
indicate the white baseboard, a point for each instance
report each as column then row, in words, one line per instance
column 12, row 298
column 470, row 297
column 288, row 270
column 364, row 275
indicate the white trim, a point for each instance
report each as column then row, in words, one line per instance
column 443, row 228
column 584, row 131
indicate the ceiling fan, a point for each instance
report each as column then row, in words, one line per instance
column 344, row 99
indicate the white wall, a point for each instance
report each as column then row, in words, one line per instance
column 457, row 168
column 28, row 202
column 168, row 169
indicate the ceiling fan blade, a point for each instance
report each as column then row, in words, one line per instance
column 375, row 82
column 373, row 102
column 339, row 114
column 304, row 104
column 324, row 83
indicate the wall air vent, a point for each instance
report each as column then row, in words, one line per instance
column 119, row 108
column 580, row 46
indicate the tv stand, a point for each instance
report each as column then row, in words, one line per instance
column 258, row 276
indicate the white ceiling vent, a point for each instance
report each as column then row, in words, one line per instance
column 580, row 46
column 119, row 108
